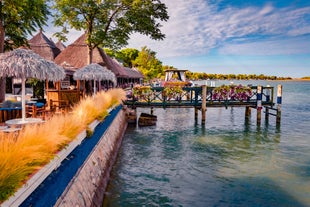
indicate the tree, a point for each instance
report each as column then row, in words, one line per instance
column 127, row 55
column 17, row 20
column 148, row 64
column 109, row 23
column 109, row 52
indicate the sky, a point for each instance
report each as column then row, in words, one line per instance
column 232, row 37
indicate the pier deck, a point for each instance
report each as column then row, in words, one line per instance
column 203, row 97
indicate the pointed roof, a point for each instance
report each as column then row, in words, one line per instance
column 60, row 45
column 43, row 46
column 134, row 73
column 76, row 56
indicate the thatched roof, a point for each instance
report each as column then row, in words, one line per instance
column 60, row 45
column 96, row 72
column 76, row 56
column 133, row 73
column 25, row 63
column 43, row 46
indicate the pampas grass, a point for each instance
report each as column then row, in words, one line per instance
column 35, row 145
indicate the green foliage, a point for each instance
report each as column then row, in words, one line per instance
column 109, row 23
column 20, row 18
column 38, row 87
column 205, row 76
column 148, row 64
column 109, row 52
column 127, row 55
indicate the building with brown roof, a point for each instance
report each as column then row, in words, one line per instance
column 60, row 45
column 75, row 56
column 43, row 46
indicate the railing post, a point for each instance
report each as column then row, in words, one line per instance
column 204, row 104
column 279, row 103
column 259, row 104
column 267, row 93
column 196, row 97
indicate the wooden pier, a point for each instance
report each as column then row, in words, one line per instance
column 203, row 97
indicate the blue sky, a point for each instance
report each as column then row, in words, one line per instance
column 234, row 36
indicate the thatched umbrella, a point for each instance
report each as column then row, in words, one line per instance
column 22, row 63
column 94, row 72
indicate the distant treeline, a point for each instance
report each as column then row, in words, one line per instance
column 204, row 76
column 306, row 78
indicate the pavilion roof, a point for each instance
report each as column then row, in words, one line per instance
column 60, row 45
column 75, row 56
column 133, row 73
column 43, row 46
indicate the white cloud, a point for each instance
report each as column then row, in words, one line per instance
column 298, row 45
column 196, row 27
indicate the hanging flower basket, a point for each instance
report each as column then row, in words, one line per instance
column 232, row 93
column 143, row 92
column 172, row 92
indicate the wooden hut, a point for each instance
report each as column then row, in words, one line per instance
column 43, row 46
column 60, row 45
column 75, row 56
column 134, row 76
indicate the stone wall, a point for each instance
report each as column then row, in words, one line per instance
column 88, row 185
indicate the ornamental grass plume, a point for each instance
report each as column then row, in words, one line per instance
column 22, row 154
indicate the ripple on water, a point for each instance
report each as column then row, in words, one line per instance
column 227, row 162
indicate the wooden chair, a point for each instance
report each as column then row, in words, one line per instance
column 35, row 111
column 59, row 106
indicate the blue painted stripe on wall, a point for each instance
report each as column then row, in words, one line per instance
column 53, row 186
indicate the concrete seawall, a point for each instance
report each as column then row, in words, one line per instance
column 88, row 185
column 79, row 176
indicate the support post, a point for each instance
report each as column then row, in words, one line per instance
column 259, row 104
column 267, row 114
column 268, row 93
column 247, row 112
column 204, row 104
column 196, row 114
column 279, row 103
column 152, row 110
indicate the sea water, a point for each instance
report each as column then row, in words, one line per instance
column 226, row 162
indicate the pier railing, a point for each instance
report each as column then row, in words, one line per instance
column 193, row 97
column 202, row 97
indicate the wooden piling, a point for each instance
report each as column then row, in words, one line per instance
column 204, row 104
column 267, row 114
column 259, row 104
column 279, row 103
column 196, row 113
column 152, row 110
column 247, row 112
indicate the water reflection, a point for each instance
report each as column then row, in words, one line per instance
column 228, row 161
